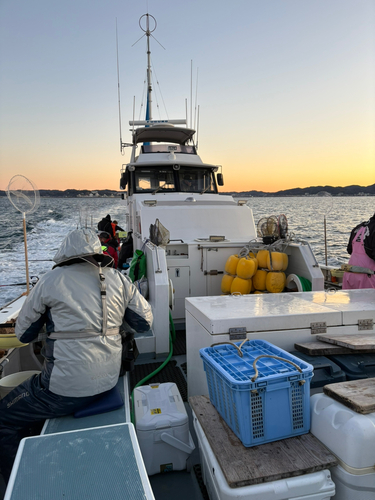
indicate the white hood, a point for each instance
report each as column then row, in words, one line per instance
column 78, row 243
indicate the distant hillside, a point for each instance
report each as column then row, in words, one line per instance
column 309, row 191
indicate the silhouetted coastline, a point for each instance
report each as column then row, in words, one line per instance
column 308, row 191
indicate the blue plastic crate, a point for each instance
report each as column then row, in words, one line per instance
column 276, row 405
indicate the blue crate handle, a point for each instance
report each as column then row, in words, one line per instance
column 275, row 357
column 240, row 353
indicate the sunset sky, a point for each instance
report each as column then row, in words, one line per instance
column 286, row 88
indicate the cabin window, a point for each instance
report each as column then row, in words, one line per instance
column 150, row 180
column 165, row 148
column 196, row 180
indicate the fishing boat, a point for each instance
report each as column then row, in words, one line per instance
column 189, row 233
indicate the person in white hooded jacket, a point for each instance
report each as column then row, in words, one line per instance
column 82, row 302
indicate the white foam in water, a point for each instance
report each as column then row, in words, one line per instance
column 46, row 229
column 57, row 216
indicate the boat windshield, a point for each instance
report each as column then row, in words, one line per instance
column 196, row 180
column 154, row 179
column 163, row 179
column 167, row 148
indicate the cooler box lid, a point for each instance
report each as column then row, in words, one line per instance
column 158, row 406
column 268, row 312
column 325, row 370
column 353, row 304
column 356, row 366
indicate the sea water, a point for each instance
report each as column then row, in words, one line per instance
column 56, row 217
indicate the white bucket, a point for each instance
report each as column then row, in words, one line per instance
column 9, row 382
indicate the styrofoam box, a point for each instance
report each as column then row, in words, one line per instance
column 162, row 427
column 351, row 437
column 314, row 486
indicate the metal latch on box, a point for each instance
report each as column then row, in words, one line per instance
column 365, row 324
column 237, row 333
column 319, row 327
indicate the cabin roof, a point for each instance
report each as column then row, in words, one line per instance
column 163, row 133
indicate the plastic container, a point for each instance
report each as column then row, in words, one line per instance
column 314, row 486
column 325, row 371
column 337, row 275
column 8, row 383
column 162, row 427
column 272, row 406
column 350, row 436
column 356, row 366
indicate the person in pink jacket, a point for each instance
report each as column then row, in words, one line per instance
column 361, row 248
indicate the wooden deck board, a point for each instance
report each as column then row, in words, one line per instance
column 358, row 395
column 323, row 349
column 243, row 466
column 356, row 342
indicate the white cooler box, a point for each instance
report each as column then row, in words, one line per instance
column 162, row 427
column 282, row 319
column 351, row 437
column 314, row 486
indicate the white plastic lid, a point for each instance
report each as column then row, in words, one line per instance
column 158, row 406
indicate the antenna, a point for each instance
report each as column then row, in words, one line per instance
column 196, row 145
column 148, row 32
column 118, row 92
column 122, row 144
column 196, row 98
column 191, row 93
column 133, row 112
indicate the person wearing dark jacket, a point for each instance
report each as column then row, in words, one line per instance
column 106, row 225
column 83, row 303
column 126, row 251
column 361, row 248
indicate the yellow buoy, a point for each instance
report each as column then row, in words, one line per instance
column 246, row 268
column 226, row 283
column 262, row 259
column 231, row 264
column 259, row 279
column 240, row 285
column 275, row 281
column 285, row 262
column 275, row 261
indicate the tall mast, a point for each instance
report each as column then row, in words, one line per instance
column 148, row 32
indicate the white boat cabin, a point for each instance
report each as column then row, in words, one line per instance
column 167, row 180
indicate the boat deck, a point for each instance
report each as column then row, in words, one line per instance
column 184, row 485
